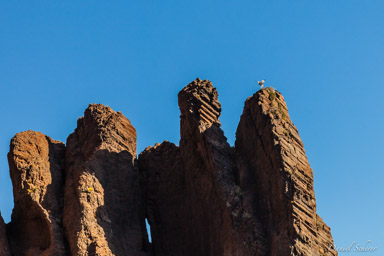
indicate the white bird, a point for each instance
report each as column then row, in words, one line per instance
column 261, row 83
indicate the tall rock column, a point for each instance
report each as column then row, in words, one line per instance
column 217, row 222
column 103, row 206
column 277, row 179
column 36, row 164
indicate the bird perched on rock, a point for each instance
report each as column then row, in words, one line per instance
column 261, row 83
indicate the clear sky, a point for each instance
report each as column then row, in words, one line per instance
column 326, row 57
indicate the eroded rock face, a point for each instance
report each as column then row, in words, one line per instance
column 163, row 187
column 255, row 198
column 103, row 207
column 204, row 195
column 37, row 171
column 216, row 216
column 277, row 179
column 4, row 247
column 203, row 198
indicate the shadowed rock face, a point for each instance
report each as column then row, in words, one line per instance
column 103, row 208
column 254, row 199
column 203, row 198
column 4, row 247
column 277, row 179
column 193, row 198
column 37, row 171
column 216, row 217
column 163, row 186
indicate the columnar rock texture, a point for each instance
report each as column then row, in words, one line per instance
column 4, row 247
column 256, row 198
column 103, row 206
column 201, row 198
column 216, row 216
column 37, row 171
column 277, row 179
column 193, row 201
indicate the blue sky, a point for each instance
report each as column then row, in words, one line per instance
column 326, row 57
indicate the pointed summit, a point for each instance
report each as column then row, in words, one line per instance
column 277, row 179
column 199, row 101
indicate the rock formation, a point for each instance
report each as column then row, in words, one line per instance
column 254, row 199
column 103, row 207
column 201, row 198
column 217, row 219
column 4, row 247
column 193, row 202
column 277, row 179
column 36, row 165
column 164, row 194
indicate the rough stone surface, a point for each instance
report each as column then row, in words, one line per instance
column 201, row 198
column 4, row 247
column 37, row 171
column 103, row 207
column 203, row 195
column 256, row 198
column 163, row 188
column 277, row 179
column 216, row 216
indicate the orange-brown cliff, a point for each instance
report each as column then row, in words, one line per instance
column 201, row 198
column 36, row 164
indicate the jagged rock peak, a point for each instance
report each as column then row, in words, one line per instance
column 103, row 207
column 204, row 197
column 164, row 145
column 199, row 99
column 275, row 173
column 104, row 125
column 212, row 220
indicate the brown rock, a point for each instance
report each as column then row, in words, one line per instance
column 277, row 179
column 163, row 187
column 217, row 221
column 201, row 198
column 193, row 202
column 103, row 208
column 4, row 247
column 37, row 171
column 255, row 199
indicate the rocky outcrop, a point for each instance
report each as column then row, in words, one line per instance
column 4, row 247
column 163, row 186
column 216, row 216
column 201, row 198
column 193, row 199
column 103, row 207
column 256, row 198
column 277, row 179
column 36, row 165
